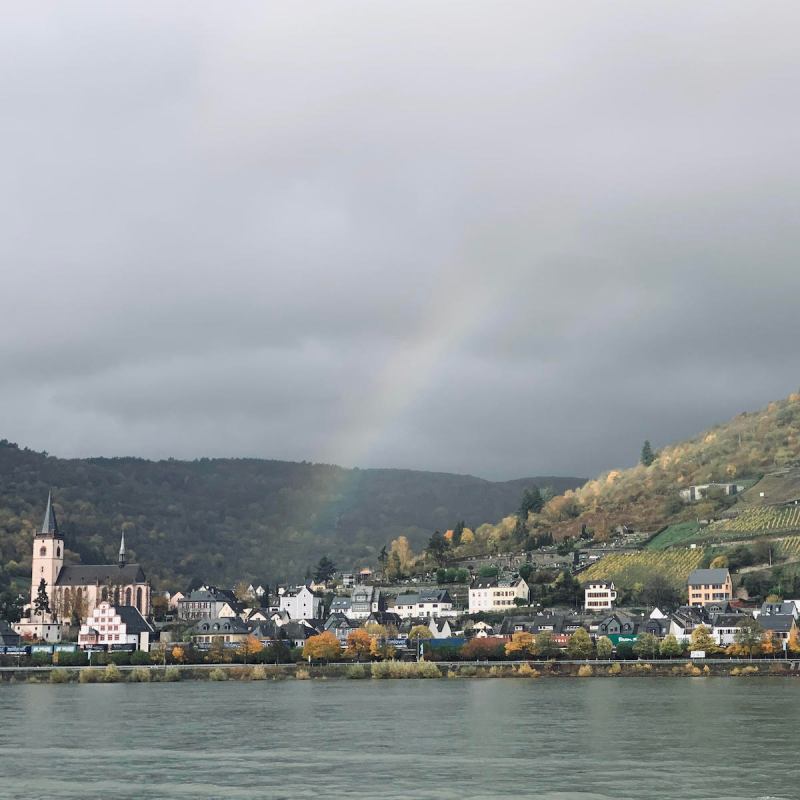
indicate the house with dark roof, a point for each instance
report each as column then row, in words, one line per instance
column 709, row 585
column 781, row 626
column 209, row 602
column 340, row 626
column 782, row 607
column 724, row 627
column 619, row 624
column 225, row 630
column 8, row 636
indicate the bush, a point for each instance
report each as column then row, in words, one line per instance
column 356, row 671
column 139, row 675
column 258, row 673
column 77, row 659
column 139, row 658
column 527, row 671
column 91, row 675
column 121, row 658
column 218, row 675
column 172, row 674
column 468, row 671
column 585, row 671
column 59, row 676
column 615, row 669
column 302, row 674
column 112, row 674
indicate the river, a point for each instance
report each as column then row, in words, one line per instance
column 557, row 739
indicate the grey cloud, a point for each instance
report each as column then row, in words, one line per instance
column 503, row 240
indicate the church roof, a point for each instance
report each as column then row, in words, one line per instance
column 89, row 574
column 50, row 523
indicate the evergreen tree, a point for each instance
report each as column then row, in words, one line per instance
column 325, row 570
column 532, row 502
column 383, row 559
column 437, row 547
column 457, row 531
column 42, row 603
column 648, row 456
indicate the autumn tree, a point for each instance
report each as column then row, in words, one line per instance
column 242, row 591
column 702, row 640
column 420, row 632
column 604, row 648
column 322, row 647
column 250, row 646
column 747, row 640
column 359, row 643
column 178, row 654
column 794, row 641
column 580, row 644
column 522, row 645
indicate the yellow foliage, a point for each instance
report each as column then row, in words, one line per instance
column 359, row 643
column 178, row 654
column 322, row 647
column 467, row 536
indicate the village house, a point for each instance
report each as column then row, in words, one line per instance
column 115, row 627
column 685, row 619
column 440, row 628
column 699, row 491
column 8, row 636
column 599, row 595
column 208, row 602
column 724, row 627
column 782, row 607
column 340, row 626
column 364, row 600
column 708, row 585
column 423, row 604
column 497, row 594
column 780, row 626
column 225, row 630
column 302, row 603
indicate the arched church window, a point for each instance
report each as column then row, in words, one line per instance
column 58, row 552
column 128, row 596
column 42, row 551
column 104, row 593
column 139, row 599
column 116, row 595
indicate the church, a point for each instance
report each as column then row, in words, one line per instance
column 75, row 590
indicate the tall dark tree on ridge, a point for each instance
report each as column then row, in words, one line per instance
column 648, row 456
column 325, row 570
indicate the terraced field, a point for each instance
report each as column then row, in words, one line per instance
column 788, row 547
column 760, row 521
column 626, row 569
column 673, row 535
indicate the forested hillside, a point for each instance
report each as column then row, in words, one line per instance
column 222, row 520
column 646, row 497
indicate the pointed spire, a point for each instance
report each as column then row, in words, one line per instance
column 122, row 550
column 50, row 524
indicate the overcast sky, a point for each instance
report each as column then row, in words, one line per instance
column 498, row 238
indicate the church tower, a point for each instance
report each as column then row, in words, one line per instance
column 48, row 556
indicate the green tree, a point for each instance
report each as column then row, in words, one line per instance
column 545, row 647
column 383, row 559
column 671, row 647
column 748, row 639
column 420, row 632
column 580, row 644
column 325, row 570
column 532, row 503
column 457, row 531
column 604, row 648
column 648, row 456
column 437, row 548
column 646, row 646
column 41, row 605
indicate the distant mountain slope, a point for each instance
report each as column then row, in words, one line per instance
column 743, row 450
column 226, row 519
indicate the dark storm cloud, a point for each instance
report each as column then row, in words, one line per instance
column 500, row 239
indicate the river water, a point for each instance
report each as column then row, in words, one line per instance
column 582, row 739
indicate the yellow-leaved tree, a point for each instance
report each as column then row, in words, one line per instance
column 522, row 645
column 358, row 644
column 322, row 647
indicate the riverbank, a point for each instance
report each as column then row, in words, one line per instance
column 383, row 670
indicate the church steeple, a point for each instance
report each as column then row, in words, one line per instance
column 122, row 550
column 50, row 523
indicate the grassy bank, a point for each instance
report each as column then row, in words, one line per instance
column 405, row 670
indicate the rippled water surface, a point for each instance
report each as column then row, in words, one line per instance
column 552, row 738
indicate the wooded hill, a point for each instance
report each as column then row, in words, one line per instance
column 759, row 450
column 223, row 520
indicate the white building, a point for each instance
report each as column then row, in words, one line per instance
column 497, row 594
column 301, row 603
column 599, row 595
column 426, row 603
column 108, row 625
